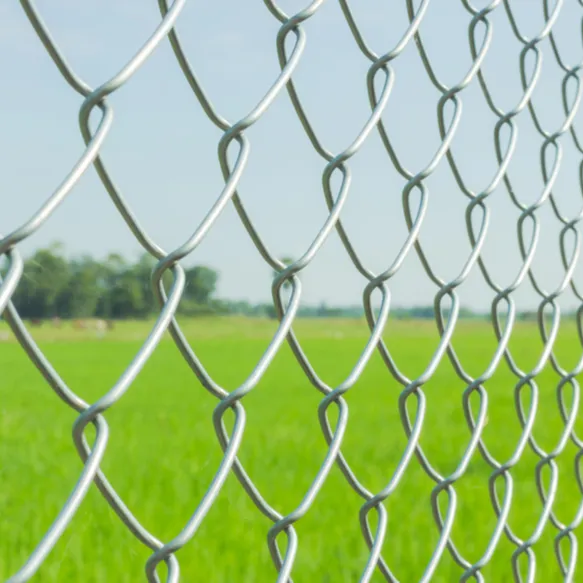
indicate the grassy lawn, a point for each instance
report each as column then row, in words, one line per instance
column 163, row 452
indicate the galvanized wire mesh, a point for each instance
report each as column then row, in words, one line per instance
column 282, row 539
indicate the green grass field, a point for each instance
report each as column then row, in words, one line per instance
column 163, row 452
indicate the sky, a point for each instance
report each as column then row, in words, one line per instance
column 162, row 148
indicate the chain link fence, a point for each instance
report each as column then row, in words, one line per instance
column 283, row 540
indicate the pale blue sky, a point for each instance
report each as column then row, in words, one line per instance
column 162, row 148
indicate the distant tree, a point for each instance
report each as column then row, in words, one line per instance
column 201, row 283
column 86, row 285
column 46, row 275
column 126, row 297
column 142, row 273
column 130, row 291
column 111, row 270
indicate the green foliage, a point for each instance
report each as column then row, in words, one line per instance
column 46, row 277
column 201, row 283
column 85, row 286
column 53, row 285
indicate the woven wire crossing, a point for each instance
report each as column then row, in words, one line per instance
column 283, row 540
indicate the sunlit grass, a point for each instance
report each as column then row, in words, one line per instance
column 163, row 452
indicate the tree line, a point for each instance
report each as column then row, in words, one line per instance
column 54, row 286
